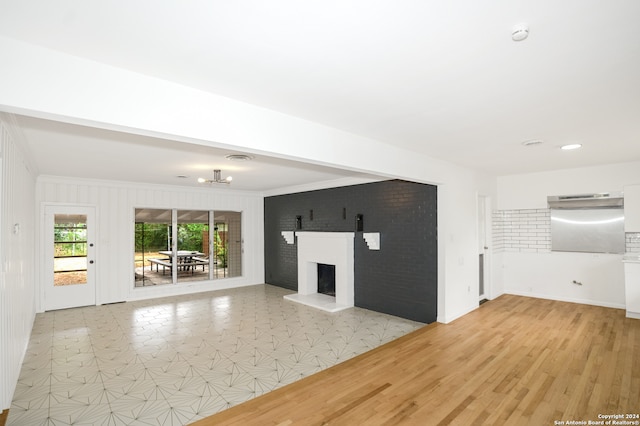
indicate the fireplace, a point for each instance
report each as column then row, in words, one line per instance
column 327, row 279
column 328, row 248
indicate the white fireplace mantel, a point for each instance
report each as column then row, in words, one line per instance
column 331, row 248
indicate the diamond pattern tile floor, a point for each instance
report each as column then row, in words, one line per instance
column 175, row 360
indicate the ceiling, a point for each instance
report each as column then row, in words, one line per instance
column 440, row 78
column 62, row 149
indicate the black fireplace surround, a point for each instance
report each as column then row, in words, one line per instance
column 401, row 278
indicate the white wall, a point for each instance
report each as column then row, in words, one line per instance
column 530, row 191
column 458, row 243
column 552, row 275
column 49, row 84
column 546, row 274
column 115, row 204
column 17, row 254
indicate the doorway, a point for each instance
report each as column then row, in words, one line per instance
column 69, row 257
column 484, row 254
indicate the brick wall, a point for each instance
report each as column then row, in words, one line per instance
column 399, row 279
column 632, row 241
column 527, row 230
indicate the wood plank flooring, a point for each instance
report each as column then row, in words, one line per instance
column 515, row 360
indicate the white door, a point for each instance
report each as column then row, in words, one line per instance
column 69, row 257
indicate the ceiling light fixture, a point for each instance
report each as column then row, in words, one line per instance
column 217, row 178
column 520, row 32
column 571, row 146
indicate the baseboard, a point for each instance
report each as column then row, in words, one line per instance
column 496, row 295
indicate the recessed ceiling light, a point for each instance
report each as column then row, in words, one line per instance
column 239, row 157
column 571, row 146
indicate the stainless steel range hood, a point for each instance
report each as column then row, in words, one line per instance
column 592, row 223
column 586, row 201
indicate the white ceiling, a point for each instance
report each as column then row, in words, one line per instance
column 441, row 78
column 62, row 149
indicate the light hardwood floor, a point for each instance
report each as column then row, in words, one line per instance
column 513, row 361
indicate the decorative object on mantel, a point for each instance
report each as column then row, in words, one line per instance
column 359, row 222
column 289, row 236
column 217, row 178
column 372, row 239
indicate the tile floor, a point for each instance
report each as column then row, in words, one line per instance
column 175, row 360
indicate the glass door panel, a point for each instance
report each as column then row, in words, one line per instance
column 153, row 241
column 228, row 244
column 70, row 249
column 192, row 257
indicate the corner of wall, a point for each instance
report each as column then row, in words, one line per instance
column 17, row 242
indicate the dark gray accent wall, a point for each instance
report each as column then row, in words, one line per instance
column 399, row 279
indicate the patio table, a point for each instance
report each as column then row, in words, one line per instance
column 185, row 258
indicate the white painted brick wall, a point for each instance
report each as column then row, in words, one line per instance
column 632, row 240
column 527, row 230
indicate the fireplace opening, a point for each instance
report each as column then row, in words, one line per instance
column 327, row 279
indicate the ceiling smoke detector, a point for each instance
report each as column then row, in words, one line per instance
column 520, row 32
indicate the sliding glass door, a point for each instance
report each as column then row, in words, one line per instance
column 176, row 246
